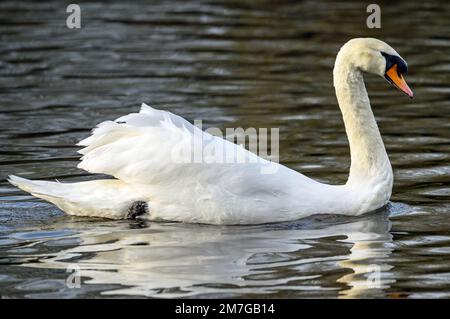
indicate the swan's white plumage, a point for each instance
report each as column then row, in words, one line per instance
column 100, row 198
column 152, row 143
column 142, row 149
column 150, row 154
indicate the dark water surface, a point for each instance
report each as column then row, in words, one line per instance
column 229, row 63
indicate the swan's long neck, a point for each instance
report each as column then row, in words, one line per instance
column 370, row 164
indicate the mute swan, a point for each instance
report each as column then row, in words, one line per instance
column 138, row 150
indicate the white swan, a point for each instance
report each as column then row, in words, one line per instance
column 138, row 150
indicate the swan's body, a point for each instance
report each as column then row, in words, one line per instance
column 138, row 150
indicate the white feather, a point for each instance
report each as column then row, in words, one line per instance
column 152, row 156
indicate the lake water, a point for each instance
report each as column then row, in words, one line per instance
column 230, row 63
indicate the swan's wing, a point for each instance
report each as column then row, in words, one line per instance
column 156, row 147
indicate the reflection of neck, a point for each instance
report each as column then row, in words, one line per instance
column 369, row 161
column 368, row 257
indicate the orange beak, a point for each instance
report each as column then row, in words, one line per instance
column 393, row 76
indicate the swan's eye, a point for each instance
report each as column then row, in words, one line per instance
column 392, row 60
column 395, row 69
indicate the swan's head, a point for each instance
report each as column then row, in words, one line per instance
column 374, row 56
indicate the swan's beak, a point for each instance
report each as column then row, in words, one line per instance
column 397, row 79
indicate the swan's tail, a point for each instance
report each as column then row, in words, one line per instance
column 36, row 188
column 109, row 198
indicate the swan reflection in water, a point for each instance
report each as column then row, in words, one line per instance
column 324, row 256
